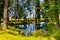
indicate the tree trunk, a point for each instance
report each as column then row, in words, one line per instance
column 5, row 15
column 57, row 18
column 56, row 14
column 0, row 21
column 10, row 14
column 37, row 15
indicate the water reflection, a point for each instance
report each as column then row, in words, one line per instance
column 30, row 28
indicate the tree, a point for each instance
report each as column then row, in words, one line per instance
column 37, row 15
column 5, row 15
column 1, row 9
column 10, row 10
column 52, row 7
column 56, row 13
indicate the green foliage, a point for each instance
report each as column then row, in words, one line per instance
column 50, row 13
column 51, row 29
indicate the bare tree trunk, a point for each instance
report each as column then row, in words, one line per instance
column 57, row 18
column 10, row 14
column 5, row 15
column 0, row 21
column 37, row 15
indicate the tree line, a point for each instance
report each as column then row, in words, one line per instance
column 50, row 8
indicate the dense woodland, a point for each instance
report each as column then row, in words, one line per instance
column 30, row 18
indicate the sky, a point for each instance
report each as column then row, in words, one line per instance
column 33, row 12
column 41, row 0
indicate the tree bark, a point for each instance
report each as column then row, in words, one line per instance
column 56, row 14
column 0, row 21
column 37, row 15
column 5, row 15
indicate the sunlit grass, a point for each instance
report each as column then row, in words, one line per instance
column 13, row 35
column 7, row 36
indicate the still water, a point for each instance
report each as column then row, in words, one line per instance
column 30, row 28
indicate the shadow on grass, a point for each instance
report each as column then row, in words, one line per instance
column 57, row 37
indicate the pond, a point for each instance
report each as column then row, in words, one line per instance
column 30, row 28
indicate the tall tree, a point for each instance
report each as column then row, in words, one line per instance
column 59, row 10
column 37, row 15
column 56, row 13
column 1, row 9
column 5, row 15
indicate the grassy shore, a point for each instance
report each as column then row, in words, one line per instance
column 7, row 36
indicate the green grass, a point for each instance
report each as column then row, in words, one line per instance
column 52, row 34
column 7, row 36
